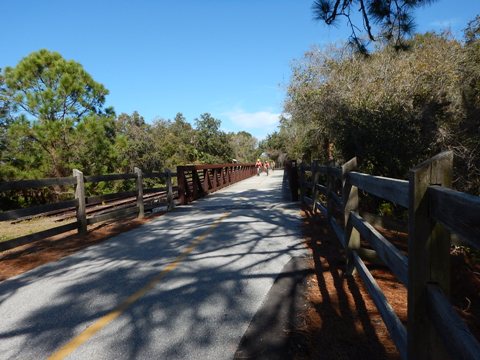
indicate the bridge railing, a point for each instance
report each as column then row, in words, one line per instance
column 434, row 328
column 196, row 181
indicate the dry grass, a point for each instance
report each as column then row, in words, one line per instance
column 11, row 231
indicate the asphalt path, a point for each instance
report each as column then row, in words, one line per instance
column 184, row 286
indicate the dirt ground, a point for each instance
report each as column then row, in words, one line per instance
column 342, row 322
column 23, row 258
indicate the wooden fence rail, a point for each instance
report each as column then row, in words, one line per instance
column 193, row 182
column 80, row 202
column 33, row 184
column 435, row 331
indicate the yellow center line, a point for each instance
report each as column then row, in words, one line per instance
column 71, row 346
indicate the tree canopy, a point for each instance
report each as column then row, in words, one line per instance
column 244, row 146
column 394, row 18
column 51, row 105
column 52, row 120
column 48, row 87
column 392, row 109
column 4, row 112
column 211, row 143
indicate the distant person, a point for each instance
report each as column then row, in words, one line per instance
column 273, row 165
column 267, row 166
column 259, row 166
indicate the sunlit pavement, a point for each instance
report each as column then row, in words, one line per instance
column 184, row 286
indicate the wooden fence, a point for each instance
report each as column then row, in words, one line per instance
column 195, row 181
column 434, row 328
column 81, row 202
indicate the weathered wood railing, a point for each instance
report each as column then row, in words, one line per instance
column 195, row 181
column 434, row 327
column 81, row 201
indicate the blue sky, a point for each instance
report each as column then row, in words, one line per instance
column 230, row 58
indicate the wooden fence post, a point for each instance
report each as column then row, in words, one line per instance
column 141, row 209
column 170, row 202
column 81, row 207
column 302, row 182
column 350, row 203
column 330, row 189
column 315, row 177
column 428, row 255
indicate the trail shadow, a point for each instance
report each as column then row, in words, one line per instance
column 200, row 310
column 343, row 322
column 272, row 333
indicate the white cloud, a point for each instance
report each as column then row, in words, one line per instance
column 253, row 120
column 258, row 123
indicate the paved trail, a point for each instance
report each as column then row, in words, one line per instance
column 184, row 286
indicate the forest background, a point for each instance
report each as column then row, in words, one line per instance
column 392, row 108
column 53, row 120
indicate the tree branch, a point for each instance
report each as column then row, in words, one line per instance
column 366, row 22
column 332, row 17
